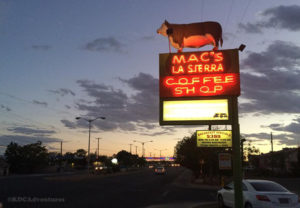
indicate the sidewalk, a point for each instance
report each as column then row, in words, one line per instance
column 186, row 179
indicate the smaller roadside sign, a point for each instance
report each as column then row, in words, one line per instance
column 224, row 161
column 214, row 138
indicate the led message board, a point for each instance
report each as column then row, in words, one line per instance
column 203, row 73
column 214, row 138
column 194, row 111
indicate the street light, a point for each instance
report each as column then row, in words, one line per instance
column 90, row 125
column 143, row 143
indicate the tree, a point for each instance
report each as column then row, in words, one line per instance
column 194, row 158
column 125, row 158
column 27, row 158
column 69, row 157
column 80, row 158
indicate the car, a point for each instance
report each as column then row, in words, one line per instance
column 259, row 194
column 160, row 170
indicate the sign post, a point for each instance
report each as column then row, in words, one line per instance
column 201, row 88
column 237, row 165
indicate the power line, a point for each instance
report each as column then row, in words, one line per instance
column 31, row 102
column 202, row 9
column 228, row 15
column 241, row 19
column 244, row 13
column 25, row 120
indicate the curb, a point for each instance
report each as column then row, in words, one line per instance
column 207, row 205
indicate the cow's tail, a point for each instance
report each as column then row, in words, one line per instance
column 221, row 41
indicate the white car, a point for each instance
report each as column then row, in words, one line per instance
column 259, row 194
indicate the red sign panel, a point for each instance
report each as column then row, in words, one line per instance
column 194, row 74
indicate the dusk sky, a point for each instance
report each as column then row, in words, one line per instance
column 63, row 59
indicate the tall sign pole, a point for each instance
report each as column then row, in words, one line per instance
column 202, row 88
column 237, row 165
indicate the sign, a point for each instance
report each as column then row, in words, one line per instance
column 160, row 158
column 203, row 73
column 194, row 111
column 224, row 161
column 214, row 138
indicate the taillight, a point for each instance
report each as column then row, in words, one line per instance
column 262, row 198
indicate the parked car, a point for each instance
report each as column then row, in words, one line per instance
column 259, row 194
column 160, row 170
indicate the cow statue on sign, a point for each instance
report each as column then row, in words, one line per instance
column 194, row 35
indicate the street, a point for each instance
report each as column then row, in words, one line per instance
column 129, row 189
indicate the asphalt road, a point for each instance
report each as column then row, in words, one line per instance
column 131, row 189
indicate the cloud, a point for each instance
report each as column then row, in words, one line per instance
column 41, row 47
column 123, row 112
column 271, row 80
column 5, row 108
column 250, row 27
column 293, row 127
column 279, row 139
column 69, row 124
column 23, row 139
column 30, row 131
column 107, row 44
column 62, row 92
column 68, row 107
column 40, row 103
column 280, row 17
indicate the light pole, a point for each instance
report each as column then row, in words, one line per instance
column 143, row 143
column 90, row 125
column 136, row 149
column 98, row 147
column 130, row 147
column 160, row 151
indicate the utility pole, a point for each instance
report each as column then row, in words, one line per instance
column 272, row 162
column 160, row 152
column 242, row 151
column 61, row 147
column 60, row 159
column 130, row 147
column 98, row 147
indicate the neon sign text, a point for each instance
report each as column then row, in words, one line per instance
column 204, row 57
column 197, row 68
column 203, row 73
column 200, row 85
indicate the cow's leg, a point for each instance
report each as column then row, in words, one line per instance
column 216, row 44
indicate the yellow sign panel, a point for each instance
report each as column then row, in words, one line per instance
column 214, row 139
column 195, row 110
